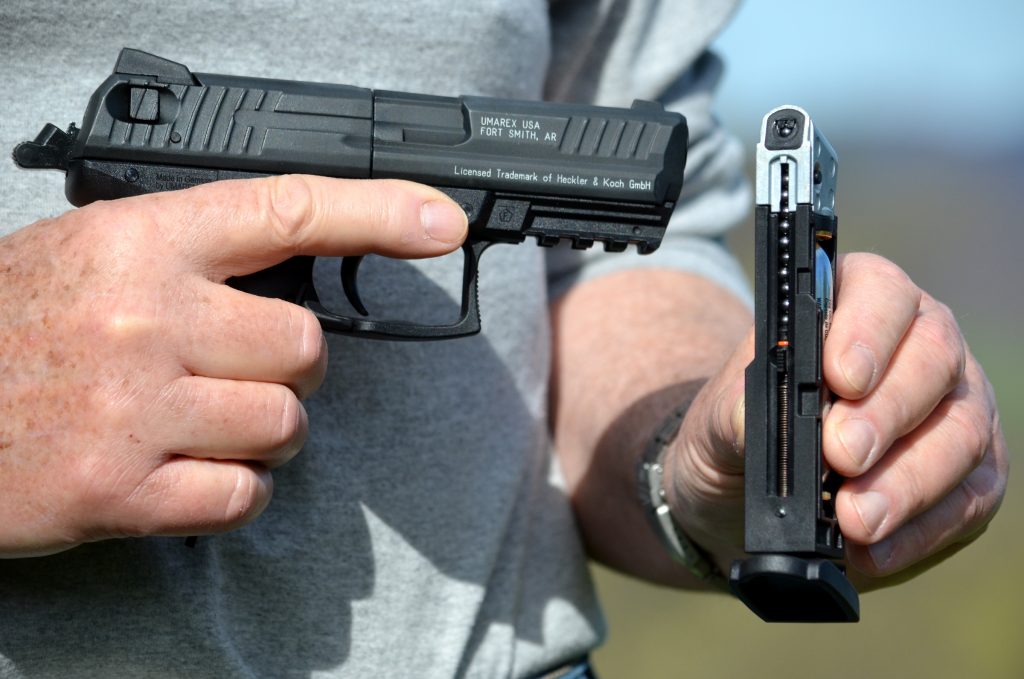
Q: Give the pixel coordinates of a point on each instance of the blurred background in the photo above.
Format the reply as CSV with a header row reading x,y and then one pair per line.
x,y
923,101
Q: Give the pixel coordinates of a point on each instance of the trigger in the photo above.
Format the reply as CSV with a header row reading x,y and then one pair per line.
x,y
349,271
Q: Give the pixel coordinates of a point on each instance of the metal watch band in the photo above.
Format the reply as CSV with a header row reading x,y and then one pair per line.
x,y
650,482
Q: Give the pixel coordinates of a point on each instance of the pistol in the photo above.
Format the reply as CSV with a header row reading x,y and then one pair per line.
x,y
794,572
552,171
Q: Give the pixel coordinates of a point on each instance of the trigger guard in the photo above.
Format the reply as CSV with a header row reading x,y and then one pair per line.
x,y
467,324
349,273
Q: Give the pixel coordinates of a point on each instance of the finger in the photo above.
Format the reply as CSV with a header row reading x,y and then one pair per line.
x,y
928,363
706,466
227,419
186,496
921,468
715,421
960,517
875,305
239,336
238,227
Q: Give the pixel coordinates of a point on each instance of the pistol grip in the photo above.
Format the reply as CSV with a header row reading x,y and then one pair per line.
x,y
291,280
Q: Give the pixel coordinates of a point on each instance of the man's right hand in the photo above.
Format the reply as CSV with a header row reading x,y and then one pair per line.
x,y
139,394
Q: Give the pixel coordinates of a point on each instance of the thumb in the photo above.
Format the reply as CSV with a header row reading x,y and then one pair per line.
x,y
714,427
241,226
706,466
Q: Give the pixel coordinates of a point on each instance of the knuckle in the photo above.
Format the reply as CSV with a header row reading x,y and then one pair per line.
x,y
891,410
110,490
943,337
1000,456
958,359
100,217
895,278
178,399
913,540
384,212
290,207
973,431
124,328
83,492
120,223
953,340
910,493
976,373
394,214
975,506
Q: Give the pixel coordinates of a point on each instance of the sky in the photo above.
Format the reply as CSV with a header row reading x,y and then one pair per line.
x,y
932,72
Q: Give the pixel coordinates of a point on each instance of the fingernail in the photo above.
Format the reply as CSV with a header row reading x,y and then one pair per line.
x,y
858,366
872,507
443,221
859,439
881,553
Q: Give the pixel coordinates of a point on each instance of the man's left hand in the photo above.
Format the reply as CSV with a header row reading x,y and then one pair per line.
x,y
913,426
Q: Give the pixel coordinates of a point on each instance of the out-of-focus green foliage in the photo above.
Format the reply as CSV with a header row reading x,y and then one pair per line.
x,y
955,225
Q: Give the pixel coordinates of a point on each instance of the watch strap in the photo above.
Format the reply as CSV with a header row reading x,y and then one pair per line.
x,y
651,487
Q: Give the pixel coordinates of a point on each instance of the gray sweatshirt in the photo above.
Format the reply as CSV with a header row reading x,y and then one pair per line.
x,y
424,530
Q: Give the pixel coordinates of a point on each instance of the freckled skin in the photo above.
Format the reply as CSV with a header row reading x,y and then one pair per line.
x,y
60,368
141,395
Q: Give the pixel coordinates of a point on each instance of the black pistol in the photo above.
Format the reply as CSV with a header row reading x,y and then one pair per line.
x,y
553,171
794,572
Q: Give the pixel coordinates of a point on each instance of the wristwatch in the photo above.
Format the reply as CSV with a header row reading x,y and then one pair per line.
x,y
651,491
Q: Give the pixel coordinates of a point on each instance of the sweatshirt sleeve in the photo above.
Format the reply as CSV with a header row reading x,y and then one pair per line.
x,y
611,52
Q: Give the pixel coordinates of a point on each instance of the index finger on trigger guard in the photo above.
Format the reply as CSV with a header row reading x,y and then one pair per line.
x,y
239,227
